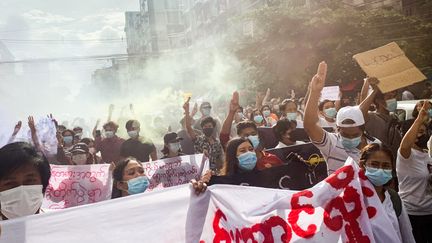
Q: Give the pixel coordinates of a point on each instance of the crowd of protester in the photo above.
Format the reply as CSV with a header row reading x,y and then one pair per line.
x,y
393,154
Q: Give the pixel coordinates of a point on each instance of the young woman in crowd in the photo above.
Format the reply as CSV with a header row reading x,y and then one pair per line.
x,y
283,132
172,147
129,178
413,170
268,116
257,117
289,110
377,161
92,149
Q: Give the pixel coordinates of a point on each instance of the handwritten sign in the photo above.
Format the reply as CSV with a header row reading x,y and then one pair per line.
x,y
175,171
330,93
77,185
390,65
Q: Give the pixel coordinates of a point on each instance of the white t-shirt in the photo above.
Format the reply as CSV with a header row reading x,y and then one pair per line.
x,y
401,224
334,153
415,188
282,145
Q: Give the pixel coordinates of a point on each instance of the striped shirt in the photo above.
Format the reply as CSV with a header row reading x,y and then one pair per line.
x,y
334,153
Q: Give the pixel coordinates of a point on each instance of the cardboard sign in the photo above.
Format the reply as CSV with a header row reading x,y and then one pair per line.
x,y
390,66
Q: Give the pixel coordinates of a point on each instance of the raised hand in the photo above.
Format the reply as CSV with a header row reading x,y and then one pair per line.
x,y
195,109
186,106
234,104
424,114
318,81
31,124
373,82
17,128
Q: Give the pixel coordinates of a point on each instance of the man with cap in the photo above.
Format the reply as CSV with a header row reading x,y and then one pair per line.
x,y
350,138
81,155
172,147
136,146
205,110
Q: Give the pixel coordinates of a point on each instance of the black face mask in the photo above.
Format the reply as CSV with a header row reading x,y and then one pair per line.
x,y
422,141
208,131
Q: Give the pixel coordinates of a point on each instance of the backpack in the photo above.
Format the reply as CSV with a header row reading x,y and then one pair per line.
x,y
396,201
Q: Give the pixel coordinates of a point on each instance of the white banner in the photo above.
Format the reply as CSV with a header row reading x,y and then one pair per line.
x,y
175,171
343,208
330,93
75,185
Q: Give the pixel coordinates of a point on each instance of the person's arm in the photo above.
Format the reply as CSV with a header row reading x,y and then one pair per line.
x,y
95,128
364,90
110,111
411,136
132,110
194,110
265,101
188,124
33,132
367,102
234,105
314,131
258,101
15,132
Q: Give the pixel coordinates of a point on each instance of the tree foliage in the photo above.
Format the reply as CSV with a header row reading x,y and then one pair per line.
x,y
288,43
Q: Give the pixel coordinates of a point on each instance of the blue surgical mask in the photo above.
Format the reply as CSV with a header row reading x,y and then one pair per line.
x,y
68,139
378,177
247,161
266,113
255,140
258,118
137,185
330,112
292,116
391,105
351,143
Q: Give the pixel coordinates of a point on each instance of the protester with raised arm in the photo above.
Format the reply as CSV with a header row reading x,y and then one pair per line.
x,y
207,142
350,138
413,167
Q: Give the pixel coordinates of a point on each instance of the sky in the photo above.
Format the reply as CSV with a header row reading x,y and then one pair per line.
x,y
25,20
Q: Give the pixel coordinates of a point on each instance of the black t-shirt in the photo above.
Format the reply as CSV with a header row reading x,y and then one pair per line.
x,y
136,148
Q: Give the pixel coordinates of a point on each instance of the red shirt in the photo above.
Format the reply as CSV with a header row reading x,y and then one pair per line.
x,y
109,148
267,161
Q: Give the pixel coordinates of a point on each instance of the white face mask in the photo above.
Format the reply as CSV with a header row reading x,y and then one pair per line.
x,y
174,147
21,201
79,159
133,134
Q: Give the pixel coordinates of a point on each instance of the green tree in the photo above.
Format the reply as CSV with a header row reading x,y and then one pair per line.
x,y
288,43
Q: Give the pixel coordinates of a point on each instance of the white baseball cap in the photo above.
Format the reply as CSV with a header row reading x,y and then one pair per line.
x,y
350,113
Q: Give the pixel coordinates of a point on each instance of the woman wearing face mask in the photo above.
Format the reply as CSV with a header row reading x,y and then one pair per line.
x,y
92,150
81,155
258,118
65,144
129,178
172,146
377,161
283,131
24,177
266,113
290,111
328,112
415,184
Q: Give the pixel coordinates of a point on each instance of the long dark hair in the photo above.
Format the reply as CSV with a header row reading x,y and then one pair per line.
x,y
118,175
230,166
372,148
